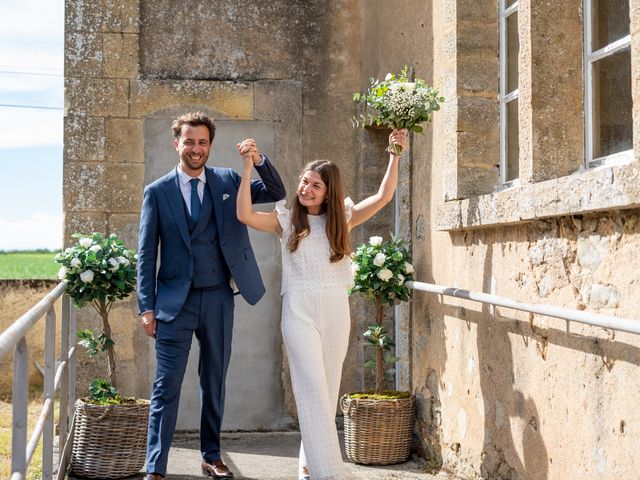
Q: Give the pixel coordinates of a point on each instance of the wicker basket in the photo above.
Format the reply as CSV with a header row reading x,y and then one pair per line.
x,y
109,441
378,432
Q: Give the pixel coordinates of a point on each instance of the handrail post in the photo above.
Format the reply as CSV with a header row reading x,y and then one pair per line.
x,y
73,322
49,392
20,400
63,423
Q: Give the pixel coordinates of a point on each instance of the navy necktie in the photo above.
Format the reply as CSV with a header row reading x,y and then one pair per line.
x,y
195,200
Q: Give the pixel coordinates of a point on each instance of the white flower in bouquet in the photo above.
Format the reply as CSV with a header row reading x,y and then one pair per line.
x,y
379,259
95,248
62,273
398,103
76,263
375,241
400,278
85,242
115,265
385,275
87,276
408,268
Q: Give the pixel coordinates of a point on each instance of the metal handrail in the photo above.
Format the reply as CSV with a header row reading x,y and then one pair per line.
x,y
14,339
581,316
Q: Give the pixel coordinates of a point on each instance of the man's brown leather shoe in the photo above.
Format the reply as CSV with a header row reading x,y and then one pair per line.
x,y
216,469
153,476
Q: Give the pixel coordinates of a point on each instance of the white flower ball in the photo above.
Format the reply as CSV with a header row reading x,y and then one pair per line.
x,y
85,242
355,268
385,275
95,248
400,278
87,276
76,263
375,241
379,259
123,261
408,268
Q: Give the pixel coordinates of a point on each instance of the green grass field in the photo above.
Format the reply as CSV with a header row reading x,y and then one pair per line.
x,y
28,265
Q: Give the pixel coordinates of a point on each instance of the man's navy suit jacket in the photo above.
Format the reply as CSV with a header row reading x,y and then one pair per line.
x,y
164,288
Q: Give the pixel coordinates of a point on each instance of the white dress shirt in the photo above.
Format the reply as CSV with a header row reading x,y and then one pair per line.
x,y
185,186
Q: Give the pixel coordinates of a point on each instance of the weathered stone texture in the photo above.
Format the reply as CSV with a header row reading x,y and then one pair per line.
x,y
102,16
123,141
98,97
224,40
121,55
84,138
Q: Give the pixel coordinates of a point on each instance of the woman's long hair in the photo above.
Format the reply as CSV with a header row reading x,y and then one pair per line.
x,y
336,224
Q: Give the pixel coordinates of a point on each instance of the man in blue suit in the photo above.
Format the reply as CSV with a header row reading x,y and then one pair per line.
x,y
189,218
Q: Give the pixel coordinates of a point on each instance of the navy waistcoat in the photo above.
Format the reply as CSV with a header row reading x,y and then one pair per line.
x,y
209,266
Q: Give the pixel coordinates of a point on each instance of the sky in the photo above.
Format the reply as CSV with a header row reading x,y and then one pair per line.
x,y
31,75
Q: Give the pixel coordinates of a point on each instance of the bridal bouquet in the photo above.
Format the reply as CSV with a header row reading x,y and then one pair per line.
x,y
398,103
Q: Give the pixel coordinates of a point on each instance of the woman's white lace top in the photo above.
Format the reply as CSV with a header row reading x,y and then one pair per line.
x,y
309,265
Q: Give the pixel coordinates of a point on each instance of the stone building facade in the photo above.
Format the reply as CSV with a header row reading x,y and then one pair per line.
x,y
525,185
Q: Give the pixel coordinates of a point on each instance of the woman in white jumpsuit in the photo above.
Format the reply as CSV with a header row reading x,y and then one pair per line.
x,y
316,274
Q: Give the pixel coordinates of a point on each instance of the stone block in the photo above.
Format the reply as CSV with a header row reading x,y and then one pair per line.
x,y
85,188
125,184
100,97
84,138
121,55
230,100
278,100
635,86
124,140
477,39
83,54
478,148
243,40
476,10
83,222
83,16
126,226
102,16
478,114
478,75
121,16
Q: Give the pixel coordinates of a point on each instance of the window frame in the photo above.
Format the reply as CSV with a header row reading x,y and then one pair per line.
x,y
505,97
589,58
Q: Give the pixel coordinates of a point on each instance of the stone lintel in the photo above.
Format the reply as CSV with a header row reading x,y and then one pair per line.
x,y
231,100
600,189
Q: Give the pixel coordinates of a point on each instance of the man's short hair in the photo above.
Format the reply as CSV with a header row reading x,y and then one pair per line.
x,y
194,119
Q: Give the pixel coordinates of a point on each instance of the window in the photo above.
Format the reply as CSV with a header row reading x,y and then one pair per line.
x,y
509,49
608,101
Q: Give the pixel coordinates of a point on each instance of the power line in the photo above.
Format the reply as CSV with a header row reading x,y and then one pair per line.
x,y
32,73
36,107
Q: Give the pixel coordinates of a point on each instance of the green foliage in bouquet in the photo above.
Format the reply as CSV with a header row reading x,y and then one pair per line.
x,y
99,270
380,270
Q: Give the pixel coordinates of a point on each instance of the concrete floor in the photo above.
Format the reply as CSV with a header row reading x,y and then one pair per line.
x,y
273,456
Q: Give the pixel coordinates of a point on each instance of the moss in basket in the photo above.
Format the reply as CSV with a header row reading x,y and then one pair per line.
x,y
384,395
380,270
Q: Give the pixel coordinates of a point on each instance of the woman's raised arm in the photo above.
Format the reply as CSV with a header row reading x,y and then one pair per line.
x,y
263,221
368,207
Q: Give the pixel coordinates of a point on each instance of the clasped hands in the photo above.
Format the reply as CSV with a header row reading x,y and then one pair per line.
x,y
249,152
